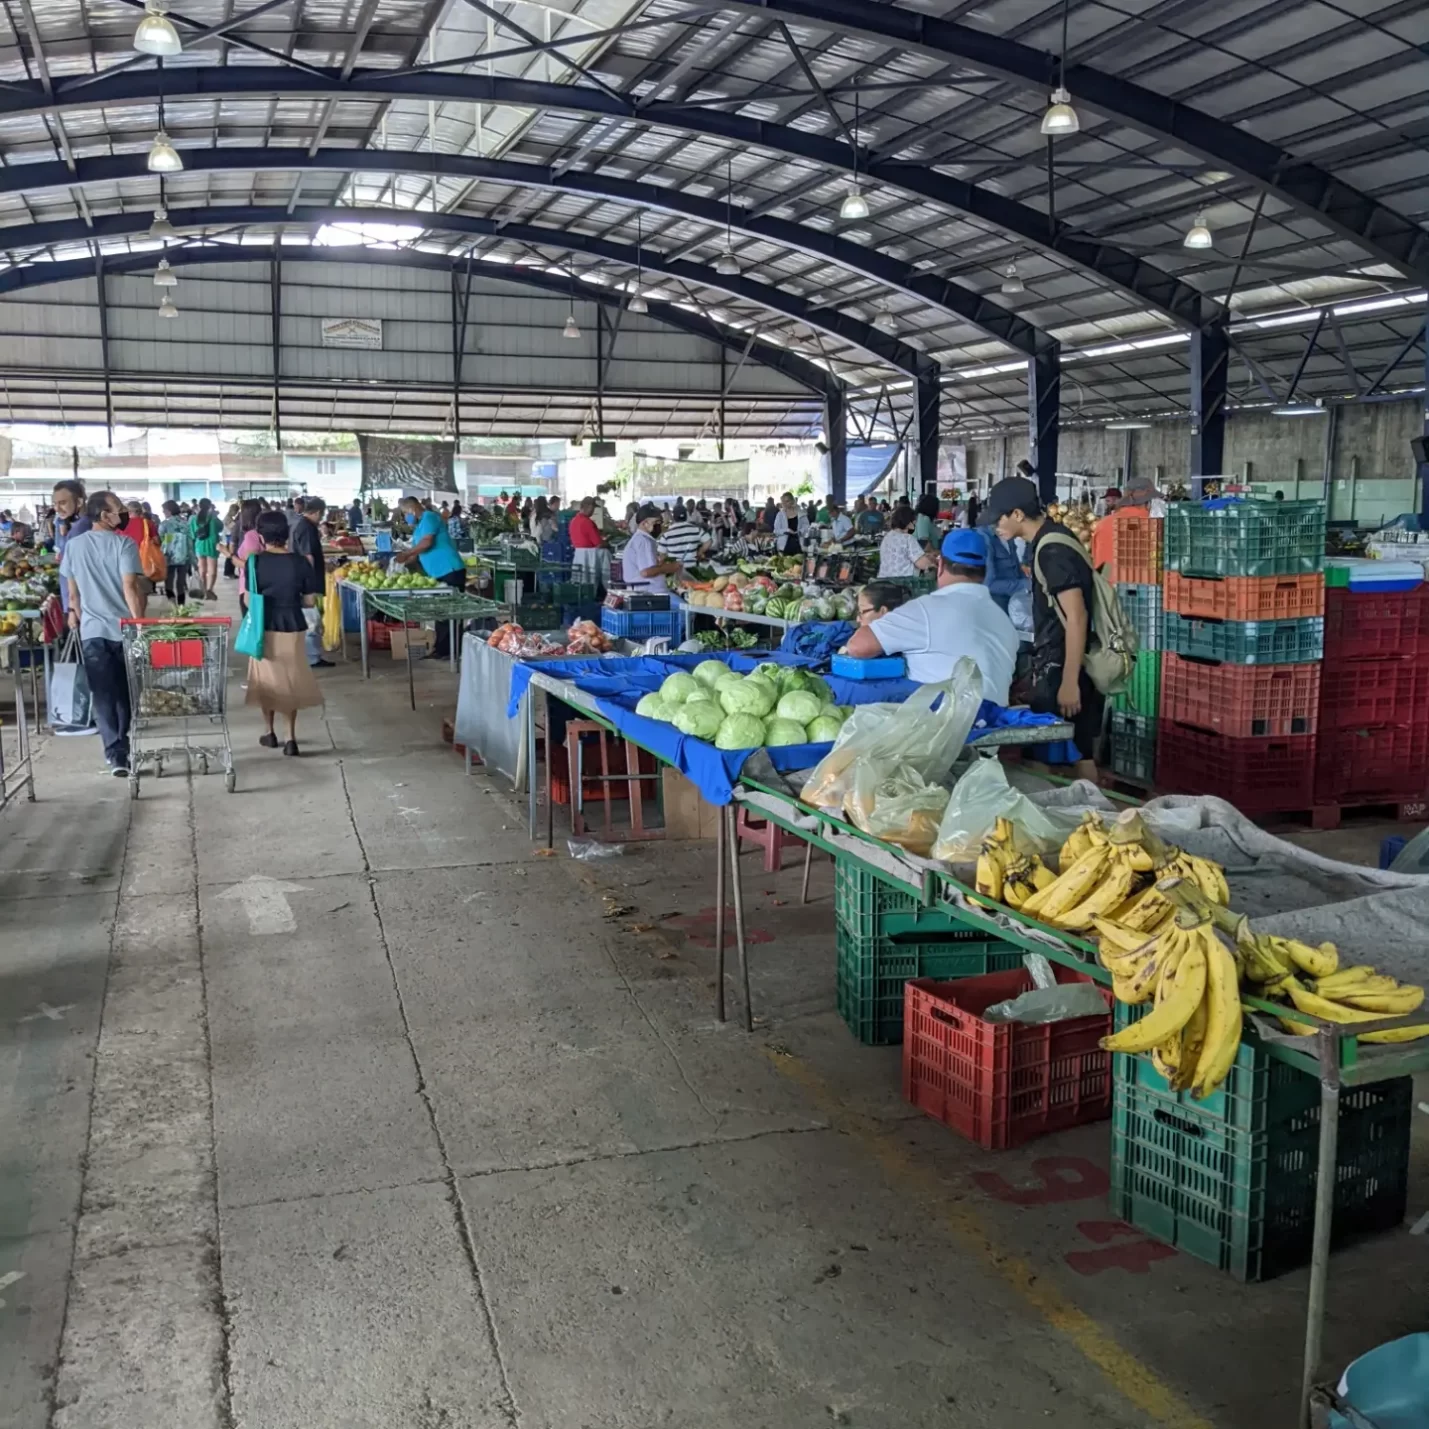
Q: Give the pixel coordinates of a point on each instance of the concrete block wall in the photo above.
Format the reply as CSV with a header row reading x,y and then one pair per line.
x,y
1372,474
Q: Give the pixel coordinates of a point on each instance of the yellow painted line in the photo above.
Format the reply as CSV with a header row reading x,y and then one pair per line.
x,y
1133,1380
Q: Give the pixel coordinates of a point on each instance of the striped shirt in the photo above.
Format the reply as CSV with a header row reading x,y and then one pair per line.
x,y
682,542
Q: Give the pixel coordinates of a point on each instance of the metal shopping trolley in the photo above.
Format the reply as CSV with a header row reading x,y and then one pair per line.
x,y
178,693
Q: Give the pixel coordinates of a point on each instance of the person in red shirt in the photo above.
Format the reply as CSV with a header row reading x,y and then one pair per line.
x,y
590,558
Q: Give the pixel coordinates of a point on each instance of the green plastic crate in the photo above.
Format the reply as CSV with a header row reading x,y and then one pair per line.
x,y
872,973
1133,746
871,907
1245,538
916,585
1246,642
1142,604
538,617
1231,1180
1143,695
569,592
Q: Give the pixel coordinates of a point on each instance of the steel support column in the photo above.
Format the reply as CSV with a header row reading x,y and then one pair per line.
x,y
275,318
104,344
1044,417
1210,373
928,410
458,342
836,435
1424,429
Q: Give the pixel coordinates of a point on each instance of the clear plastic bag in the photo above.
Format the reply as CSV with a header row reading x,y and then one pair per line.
x,y
913,735
981,797
896,805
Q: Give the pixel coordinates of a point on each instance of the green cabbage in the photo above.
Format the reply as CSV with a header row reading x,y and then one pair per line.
x,y
710,672
701,718
740,731
730,677
653,707
770,670
817,687
784,731
753,696
825,729
799,706
702,694
678,688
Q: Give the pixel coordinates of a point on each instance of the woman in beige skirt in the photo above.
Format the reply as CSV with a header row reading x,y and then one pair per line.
x,y
282,681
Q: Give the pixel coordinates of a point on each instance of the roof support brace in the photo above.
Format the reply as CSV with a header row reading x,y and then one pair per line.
x,y
1210,377
1044,418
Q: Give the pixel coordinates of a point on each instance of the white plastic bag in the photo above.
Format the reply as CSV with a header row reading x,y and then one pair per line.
x,y
914,735
981,797
896,805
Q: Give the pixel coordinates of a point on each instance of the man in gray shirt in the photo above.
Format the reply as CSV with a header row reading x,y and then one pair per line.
x,y
106,585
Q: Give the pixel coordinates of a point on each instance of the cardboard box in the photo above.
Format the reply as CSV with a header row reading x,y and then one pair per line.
x,y
687,815
419,639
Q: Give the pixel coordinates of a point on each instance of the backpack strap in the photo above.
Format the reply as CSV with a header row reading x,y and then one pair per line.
x,y
1057,538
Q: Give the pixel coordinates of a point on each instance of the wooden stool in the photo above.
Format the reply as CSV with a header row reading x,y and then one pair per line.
x,y
632,778
768,835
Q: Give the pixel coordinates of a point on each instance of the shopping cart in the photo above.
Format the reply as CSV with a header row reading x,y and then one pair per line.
x,y
178,694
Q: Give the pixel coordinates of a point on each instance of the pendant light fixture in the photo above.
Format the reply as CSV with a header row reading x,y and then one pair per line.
x,y
572,328
167,308
163,157
727,264
885,322
156,34
1198,235
855,206
161,228
637,303
164,276
1012,280
1060,118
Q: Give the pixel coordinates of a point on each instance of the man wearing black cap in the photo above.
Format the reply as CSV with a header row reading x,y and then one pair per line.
x,y
1061,614
959,618
641,561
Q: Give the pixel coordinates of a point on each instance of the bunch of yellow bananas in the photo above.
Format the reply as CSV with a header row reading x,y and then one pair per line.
x,y
1193,1030
1004,873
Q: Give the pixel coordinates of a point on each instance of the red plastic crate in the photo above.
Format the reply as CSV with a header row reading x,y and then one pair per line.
x,y
1361,625
1259,776
170,654
1370,692
1243,700
1245,597
1380,763
1001,1083
379,632
1135,549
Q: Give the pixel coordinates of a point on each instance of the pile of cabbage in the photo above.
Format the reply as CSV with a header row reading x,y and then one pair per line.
x,y
770,706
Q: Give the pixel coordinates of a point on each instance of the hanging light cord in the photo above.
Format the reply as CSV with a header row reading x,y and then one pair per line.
x,y
1062,59
729,203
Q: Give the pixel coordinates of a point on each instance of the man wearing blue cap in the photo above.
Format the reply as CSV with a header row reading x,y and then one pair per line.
x,y
960,618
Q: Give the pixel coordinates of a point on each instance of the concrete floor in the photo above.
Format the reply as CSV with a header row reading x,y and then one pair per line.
x,y
332,1104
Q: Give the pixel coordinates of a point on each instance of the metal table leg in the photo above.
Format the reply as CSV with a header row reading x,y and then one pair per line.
x,y
451,643
550,793
808,864
1324,1218
362,631
531,758
407,645
719,922
740,948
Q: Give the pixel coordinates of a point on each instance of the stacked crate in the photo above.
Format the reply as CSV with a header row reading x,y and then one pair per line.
x,y
1243,636
1135,571
1372,745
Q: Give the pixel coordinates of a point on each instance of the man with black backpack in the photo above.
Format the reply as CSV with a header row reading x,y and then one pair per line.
x,y
1083,647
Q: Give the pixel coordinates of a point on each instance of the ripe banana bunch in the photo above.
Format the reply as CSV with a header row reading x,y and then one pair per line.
x,y
1147,910
1089,887
1357,994
1005,874
1091,831
1193,1029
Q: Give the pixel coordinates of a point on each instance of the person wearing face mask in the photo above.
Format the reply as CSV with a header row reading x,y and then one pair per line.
x,y
642,562
105,582
433,553
71,520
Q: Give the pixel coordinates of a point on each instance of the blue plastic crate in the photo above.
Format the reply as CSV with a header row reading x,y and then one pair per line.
x,y
889,667
639,624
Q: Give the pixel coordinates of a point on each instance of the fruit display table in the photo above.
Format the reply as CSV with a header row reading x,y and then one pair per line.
x,y
419,605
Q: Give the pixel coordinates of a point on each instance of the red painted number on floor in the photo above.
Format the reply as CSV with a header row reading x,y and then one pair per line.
x,y
699,928
1064,1178
1133,1253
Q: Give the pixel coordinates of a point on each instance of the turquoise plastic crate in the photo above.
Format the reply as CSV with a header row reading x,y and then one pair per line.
x,y
870,907
872,972
1142,604
1231,1180
1133,746
1245,538
1143,695
1246,642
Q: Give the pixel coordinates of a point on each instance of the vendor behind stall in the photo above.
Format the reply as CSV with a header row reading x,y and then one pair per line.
x,y
959,618
590,556
641,560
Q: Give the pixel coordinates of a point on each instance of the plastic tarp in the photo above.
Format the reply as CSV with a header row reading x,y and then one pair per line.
x,y
617,685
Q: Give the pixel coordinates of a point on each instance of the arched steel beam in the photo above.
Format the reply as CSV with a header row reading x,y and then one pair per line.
x,y
800,369
1149,285
1392,237
958,302
882,346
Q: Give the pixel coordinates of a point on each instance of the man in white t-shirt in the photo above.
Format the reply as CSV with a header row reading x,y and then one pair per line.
x,y
642,561
960,618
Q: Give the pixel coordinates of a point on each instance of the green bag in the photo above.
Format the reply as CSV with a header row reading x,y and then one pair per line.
x,y
250,633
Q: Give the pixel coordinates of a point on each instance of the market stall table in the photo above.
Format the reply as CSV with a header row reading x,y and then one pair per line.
x,y
367,598
690,611
440,604
18,774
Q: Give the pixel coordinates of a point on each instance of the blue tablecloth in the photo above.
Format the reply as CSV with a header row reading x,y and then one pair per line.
x,y
617,686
